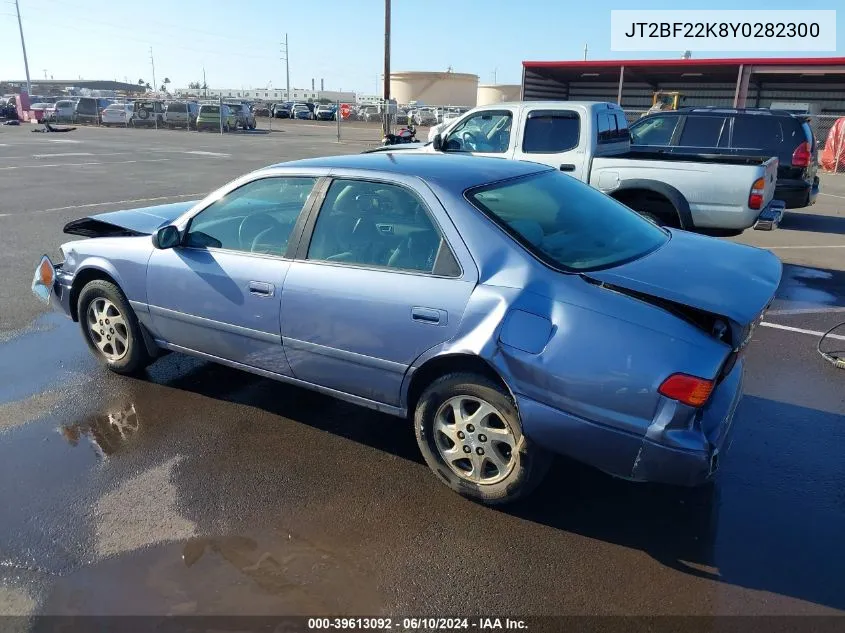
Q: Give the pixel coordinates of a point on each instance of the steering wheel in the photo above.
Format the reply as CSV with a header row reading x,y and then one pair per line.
x,y
469,140
252,225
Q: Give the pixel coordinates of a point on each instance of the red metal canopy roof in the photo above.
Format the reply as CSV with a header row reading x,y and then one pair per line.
x,y
682,63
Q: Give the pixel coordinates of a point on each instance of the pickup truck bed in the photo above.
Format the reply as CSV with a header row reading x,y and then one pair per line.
x,y
590,141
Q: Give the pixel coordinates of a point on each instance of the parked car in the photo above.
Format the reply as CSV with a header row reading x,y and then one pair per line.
x,y
529,313
243,116
88,109
281,111
370,113
181,114
326,112
118,114
591,142
209,118
401,117
40,109
301,111
425,116
147,112
733,132
63,110
261,110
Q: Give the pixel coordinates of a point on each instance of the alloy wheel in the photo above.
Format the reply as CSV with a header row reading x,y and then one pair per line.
x,y
474,440
108,329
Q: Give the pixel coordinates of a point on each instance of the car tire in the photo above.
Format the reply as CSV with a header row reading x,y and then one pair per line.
x,y
651,217
110,328
503,464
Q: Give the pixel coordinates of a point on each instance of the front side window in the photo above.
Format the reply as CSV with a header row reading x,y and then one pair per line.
x,y
488,132
379,225
566,223
256,218
655,130
551,132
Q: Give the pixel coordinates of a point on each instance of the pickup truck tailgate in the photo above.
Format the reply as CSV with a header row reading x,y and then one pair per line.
x,y
771,176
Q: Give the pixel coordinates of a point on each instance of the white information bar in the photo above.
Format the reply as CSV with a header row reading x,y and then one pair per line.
x,y
724,31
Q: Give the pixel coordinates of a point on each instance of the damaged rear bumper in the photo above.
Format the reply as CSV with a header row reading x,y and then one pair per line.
x,y
683,457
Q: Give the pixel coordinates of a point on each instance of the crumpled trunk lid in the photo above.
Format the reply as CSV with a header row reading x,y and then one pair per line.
x,y
726,279
128,223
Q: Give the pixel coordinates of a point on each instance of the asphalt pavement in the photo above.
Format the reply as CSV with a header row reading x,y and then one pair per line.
x,y
198,489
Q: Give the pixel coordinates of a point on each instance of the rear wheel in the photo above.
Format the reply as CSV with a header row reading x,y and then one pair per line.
x,y
111,328
469,432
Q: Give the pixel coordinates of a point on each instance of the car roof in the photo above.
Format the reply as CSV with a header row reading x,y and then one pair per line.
x,y
450,170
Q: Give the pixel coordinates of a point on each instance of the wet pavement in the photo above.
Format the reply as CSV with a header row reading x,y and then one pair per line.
x,y
198,489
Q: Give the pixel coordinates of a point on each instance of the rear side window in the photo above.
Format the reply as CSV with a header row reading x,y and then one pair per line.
x,y
548,132
757,132
702,131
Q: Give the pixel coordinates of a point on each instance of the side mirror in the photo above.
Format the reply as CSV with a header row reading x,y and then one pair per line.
x,y
166,237
437,143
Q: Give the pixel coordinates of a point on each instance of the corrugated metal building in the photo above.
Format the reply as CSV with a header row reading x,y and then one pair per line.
x,y
703,82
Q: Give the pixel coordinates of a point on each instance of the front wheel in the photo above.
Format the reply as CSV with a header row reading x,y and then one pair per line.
x,y
111,328
469,432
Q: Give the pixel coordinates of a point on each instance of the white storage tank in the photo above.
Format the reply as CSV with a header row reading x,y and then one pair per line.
x,y
496,93
434,88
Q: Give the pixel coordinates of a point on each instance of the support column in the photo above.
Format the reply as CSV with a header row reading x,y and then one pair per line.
x,y
621,81
742,79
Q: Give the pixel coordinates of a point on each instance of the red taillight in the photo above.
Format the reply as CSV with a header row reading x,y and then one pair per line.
x,y
802,155
689,390
758,190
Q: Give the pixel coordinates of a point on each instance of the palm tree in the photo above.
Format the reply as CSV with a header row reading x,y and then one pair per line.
x,y
141,82
164,85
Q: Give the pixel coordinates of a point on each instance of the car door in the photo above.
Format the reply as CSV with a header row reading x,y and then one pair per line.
x,y
553,137
485,133
219,292
380,278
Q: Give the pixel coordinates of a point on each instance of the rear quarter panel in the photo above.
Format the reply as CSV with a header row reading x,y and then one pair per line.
x,y
717,193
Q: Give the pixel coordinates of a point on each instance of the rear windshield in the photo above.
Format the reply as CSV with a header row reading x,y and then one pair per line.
x,y
210,109
567,224
780,135
176,107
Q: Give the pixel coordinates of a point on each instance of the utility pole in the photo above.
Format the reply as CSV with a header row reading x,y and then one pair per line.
x,y
287,69
23,46
585,51
153,63
204,84
386,66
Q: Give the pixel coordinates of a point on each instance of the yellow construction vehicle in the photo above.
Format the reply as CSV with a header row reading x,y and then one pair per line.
x,y
662,101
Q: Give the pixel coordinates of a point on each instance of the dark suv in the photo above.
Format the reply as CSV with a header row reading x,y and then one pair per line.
x,y
739,132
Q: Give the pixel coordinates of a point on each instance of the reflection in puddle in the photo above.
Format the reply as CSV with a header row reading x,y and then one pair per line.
x,y
106,433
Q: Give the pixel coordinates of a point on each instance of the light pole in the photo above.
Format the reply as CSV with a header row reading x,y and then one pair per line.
x,y
287,69
23,46
386,67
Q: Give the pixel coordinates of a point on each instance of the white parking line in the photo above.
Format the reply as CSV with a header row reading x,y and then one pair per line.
x,y
203,153
771,248
65,154
115,202
801,330
794,311
831,195
62,140
112,162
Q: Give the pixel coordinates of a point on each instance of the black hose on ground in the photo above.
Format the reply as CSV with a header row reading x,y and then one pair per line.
x,y
832,357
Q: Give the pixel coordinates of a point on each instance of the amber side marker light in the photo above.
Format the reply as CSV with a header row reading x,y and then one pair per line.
x,y
690,390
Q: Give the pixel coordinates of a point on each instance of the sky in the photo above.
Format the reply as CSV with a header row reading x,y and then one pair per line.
x,y
239,43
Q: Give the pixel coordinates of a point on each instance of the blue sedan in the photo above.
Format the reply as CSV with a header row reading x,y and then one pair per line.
x,y
507,310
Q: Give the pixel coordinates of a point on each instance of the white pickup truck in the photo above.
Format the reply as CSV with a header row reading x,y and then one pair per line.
x,y
590,141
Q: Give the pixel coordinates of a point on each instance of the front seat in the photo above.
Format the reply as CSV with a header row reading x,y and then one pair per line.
x,y
417,251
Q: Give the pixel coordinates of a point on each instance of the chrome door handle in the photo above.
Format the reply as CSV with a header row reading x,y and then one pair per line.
x,y
261,288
